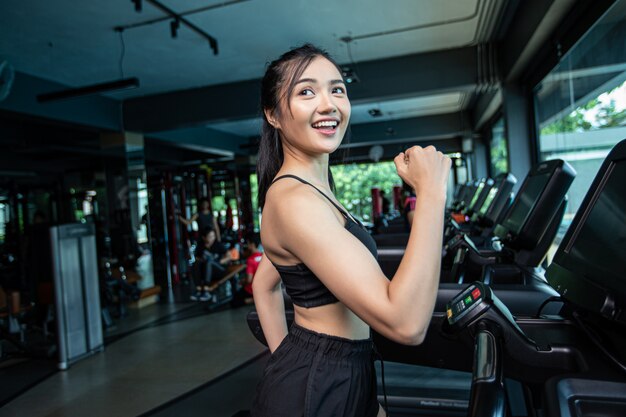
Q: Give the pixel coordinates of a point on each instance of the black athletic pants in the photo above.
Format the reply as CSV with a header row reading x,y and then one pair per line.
x,y
316,375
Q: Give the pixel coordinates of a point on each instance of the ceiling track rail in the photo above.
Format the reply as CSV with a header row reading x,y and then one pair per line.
x,y
179,18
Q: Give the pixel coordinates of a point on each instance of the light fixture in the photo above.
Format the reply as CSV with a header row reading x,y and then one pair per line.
x,y
137,5
123,84
174,25
349,75
375,112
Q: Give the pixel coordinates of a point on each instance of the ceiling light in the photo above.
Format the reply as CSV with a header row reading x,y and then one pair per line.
x,y
106,87
137,5
375,112
349,75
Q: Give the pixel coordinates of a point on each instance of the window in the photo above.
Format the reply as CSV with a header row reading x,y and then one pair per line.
x,y
254,191
353,184
499,153
581,104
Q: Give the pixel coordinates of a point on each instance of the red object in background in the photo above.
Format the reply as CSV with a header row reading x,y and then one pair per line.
x,y
397,197
377,204
459,217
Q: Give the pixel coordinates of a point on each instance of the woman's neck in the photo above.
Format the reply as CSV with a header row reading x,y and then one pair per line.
x,y
312,169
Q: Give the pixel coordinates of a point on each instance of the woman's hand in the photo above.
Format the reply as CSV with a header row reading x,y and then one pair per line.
x,y
426,170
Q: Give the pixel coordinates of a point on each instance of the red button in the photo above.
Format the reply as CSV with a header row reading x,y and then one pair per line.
x,y
476,293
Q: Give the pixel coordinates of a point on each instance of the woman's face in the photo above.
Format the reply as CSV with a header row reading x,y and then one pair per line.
x,y
319,110
210,238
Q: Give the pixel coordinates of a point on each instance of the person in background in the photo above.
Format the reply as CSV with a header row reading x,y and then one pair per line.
x,y
244,296
408,206
205,219
385,203
211,256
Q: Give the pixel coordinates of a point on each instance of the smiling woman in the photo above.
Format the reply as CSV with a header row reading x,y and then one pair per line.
x,y
326,259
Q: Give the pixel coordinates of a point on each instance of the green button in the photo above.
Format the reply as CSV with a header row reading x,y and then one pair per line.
x,y
468,300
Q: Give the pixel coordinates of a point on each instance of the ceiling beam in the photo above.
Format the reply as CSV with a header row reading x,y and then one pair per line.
x,y
203,139
429,73
93,111
390,150
425,128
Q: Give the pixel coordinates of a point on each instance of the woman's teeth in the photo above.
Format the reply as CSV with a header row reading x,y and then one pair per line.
x,y
325,124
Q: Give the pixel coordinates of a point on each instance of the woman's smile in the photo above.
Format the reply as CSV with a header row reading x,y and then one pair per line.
x,y
327,127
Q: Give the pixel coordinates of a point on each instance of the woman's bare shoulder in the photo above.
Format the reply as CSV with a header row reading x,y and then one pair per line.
x,y
289,200
291,206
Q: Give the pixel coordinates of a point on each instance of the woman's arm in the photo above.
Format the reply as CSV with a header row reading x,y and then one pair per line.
x,y
217,230
188,222
268,298
399,309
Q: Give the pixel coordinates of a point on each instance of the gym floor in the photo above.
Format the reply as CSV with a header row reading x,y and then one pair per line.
x,y
168,353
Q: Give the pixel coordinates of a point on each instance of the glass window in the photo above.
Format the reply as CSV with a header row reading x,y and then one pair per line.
x,y
581,104
499,149
353,184
254,191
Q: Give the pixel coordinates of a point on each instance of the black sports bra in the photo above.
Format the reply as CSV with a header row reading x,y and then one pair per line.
x,y
304,288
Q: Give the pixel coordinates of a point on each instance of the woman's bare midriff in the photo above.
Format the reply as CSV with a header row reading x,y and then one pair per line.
x,y
332,319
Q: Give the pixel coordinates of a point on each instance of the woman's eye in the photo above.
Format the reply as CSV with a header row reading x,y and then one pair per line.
x,y
307,92
339,90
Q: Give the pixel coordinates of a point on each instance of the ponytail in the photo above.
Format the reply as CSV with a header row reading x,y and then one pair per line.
x,y
269,161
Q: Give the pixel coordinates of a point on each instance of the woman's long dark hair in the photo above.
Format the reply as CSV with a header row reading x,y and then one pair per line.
x,y
277,85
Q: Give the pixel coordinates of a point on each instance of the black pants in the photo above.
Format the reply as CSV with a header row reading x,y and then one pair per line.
x,y
209,270
316,375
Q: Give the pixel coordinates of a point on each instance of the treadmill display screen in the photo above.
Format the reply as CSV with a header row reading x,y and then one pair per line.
x,y
528,197
599,244
488,200
476,194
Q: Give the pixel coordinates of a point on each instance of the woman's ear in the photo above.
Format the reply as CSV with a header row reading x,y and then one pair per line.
x,y
269,115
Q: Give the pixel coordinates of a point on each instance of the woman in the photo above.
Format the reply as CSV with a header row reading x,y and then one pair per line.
x,y
324,365
408,207
205,219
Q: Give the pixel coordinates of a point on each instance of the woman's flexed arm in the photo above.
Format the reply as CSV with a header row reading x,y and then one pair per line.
x,y
268,298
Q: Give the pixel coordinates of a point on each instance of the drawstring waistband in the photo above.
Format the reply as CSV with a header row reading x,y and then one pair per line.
x,y
382,374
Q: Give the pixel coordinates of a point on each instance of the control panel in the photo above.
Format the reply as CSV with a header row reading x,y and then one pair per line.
x,y
468,304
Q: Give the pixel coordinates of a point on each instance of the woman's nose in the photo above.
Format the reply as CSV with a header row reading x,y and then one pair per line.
x,y
327,104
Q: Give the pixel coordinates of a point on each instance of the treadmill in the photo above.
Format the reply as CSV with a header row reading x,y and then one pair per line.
x,y
570,364
486,215
521,239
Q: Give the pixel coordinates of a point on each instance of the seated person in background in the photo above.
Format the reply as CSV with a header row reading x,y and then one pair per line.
x,y
244,296
211,255
408,207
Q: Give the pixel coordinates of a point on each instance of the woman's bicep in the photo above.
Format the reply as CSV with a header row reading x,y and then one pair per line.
x,y
345,266
266,276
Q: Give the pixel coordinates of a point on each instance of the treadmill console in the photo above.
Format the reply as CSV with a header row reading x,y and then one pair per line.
x,y
466,306
478,302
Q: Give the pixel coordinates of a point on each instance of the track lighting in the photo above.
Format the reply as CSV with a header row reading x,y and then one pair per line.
x,y
177,20
174,25
375,112
349,75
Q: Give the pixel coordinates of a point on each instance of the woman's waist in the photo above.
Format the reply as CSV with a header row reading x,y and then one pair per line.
x,y
331,346
334,320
